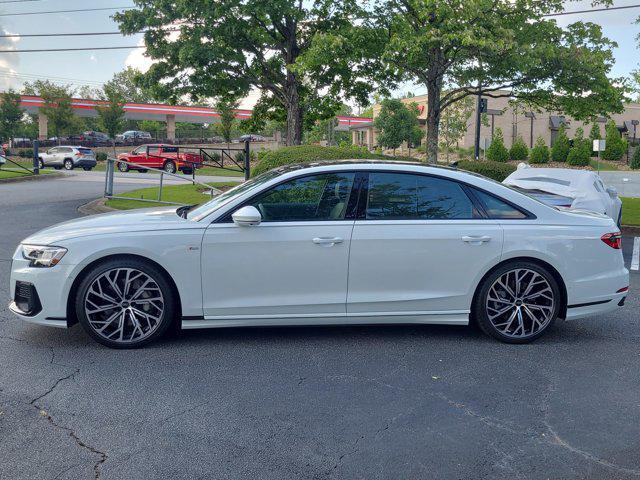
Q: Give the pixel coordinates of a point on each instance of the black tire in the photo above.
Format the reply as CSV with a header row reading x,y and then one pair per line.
x,y
87,169
68,164
57,168
479,307
40,164
169,166
123,167
168,315
143,170
187,171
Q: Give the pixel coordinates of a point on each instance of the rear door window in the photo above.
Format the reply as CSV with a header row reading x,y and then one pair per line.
x,y
401,196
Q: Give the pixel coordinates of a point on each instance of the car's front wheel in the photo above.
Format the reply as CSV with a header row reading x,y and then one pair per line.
x,y
517,302
169,166
125,303
123,167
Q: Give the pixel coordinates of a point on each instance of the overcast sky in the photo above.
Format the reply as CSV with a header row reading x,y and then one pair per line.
x,y
94,67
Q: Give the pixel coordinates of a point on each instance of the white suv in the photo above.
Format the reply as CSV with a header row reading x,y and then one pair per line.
x,y
68,158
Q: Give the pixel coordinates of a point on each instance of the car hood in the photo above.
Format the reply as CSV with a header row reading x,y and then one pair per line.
x,y
148,219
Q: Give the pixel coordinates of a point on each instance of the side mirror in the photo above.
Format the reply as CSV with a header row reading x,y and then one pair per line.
x,y
247,216
613,193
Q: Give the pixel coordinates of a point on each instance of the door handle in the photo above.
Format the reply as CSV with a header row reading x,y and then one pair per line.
x,y
476,240
327,240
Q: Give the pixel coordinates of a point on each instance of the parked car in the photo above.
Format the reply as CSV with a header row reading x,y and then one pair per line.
x,y
567,188
326,243
136,135
170,158
253,138
68,157
91,137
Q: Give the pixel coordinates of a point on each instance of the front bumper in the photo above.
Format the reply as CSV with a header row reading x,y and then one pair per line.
x,y
50,285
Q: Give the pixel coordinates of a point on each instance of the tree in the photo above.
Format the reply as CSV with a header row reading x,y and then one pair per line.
x,y
594,133
519,150
615,146
454,123
539,152
127,83
57,105
458,48
226,109
111,114
497,152
635,159
10,114
397,123
561,146
227,48
580,153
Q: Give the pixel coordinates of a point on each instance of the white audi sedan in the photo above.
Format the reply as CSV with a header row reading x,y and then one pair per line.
x,y
325,244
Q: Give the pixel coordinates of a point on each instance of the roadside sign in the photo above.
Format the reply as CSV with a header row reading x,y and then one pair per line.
x,y
599,145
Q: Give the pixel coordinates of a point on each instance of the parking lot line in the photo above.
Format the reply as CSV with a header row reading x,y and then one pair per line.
x,y
635,258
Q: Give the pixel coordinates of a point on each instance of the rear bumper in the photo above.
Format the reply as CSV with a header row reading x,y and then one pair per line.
x,y
598,307
85,162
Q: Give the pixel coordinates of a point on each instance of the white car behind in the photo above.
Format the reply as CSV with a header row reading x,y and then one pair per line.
x,y
564,187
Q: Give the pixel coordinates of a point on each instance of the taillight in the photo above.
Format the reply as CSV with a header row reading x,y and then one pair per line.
x,y
614,240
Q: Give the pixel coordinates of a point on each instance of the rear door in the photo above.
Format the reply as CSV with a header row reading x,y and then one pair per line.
x,y
418,247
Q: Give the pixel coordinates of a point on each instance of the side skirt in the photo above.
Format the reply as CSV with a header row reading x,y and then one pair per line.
x,y
390,318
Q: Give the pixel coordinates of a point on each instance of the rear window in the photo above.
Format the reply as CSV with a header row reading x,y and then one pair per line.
x,y
85,151
170,149
546,180
496,208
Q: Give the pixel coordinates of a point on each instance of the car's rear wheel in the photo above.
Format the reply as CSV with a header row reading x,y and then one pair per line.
x,y
187,171
517,302
125,303
87,169
143,170
123,167
169,166
68,164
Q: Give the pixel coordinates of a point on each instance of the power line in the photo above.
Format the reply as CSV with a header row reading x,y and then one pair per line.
x,y
576,12
19,35
19,1
69,49
66,11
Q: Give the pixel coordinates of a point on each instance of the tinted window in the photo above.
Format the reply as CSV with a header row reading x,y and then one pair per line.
x,y
497,208
397,196
317,197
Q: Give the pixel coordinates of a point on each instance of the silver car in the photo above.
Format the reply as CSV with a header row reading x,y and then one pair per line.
x,y
68,158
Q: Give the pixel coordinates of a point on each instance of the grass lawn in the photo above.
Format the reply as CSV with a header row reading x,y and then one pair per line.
x,y
187,194
14,173
630,211
220,172
604,166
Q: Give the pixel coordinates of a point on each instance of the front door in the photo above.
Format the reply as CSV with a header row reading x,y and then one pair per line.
x,y
293,265
419,249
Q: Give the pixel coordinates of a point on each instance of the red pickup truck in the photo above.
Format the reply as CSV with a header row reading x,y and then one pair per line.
x,y
170,158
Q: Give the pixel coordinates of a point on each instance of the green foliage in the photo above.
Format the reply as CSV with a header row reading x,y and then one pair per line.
x,y
539,152
10,114
497,152
578,156
227,117
452,47
454,122
101,156
57,105
635,159
269,159
498,171
25,153
595,133
561,146
279,47
397,123
127,84
519,150
111,114
615,146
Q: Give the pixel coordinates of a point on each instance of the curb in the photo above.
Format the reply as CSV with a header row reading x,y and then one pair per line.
x,y
95,207
630,230
31,178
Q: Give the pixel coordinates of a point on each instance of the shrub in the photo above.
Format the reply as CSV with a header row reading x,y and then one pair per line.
x,y
25,153
498,171
497,152
561,146
635,159
615,145
539,152
101,156
579,156
519,150
269,159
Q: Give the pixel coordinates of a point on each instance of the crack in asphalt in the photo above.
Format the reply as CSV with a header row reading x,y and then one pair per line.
x,y
70,431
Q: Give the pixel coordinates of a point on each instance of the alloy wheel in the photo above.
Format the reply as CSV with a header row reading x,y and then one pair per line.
x,y
170,167
520,303
124,305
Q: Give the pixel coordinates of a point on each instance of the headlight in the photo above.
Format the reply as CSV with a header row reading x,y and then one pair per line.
x,y
43,256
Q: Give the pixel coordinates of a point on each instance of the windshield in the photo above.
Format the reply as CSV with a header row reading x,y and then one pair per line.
x,y
207,208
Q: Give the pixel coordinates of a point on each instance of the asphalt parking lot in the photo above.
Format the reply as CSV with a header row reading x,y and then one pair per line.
x,y
345,402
